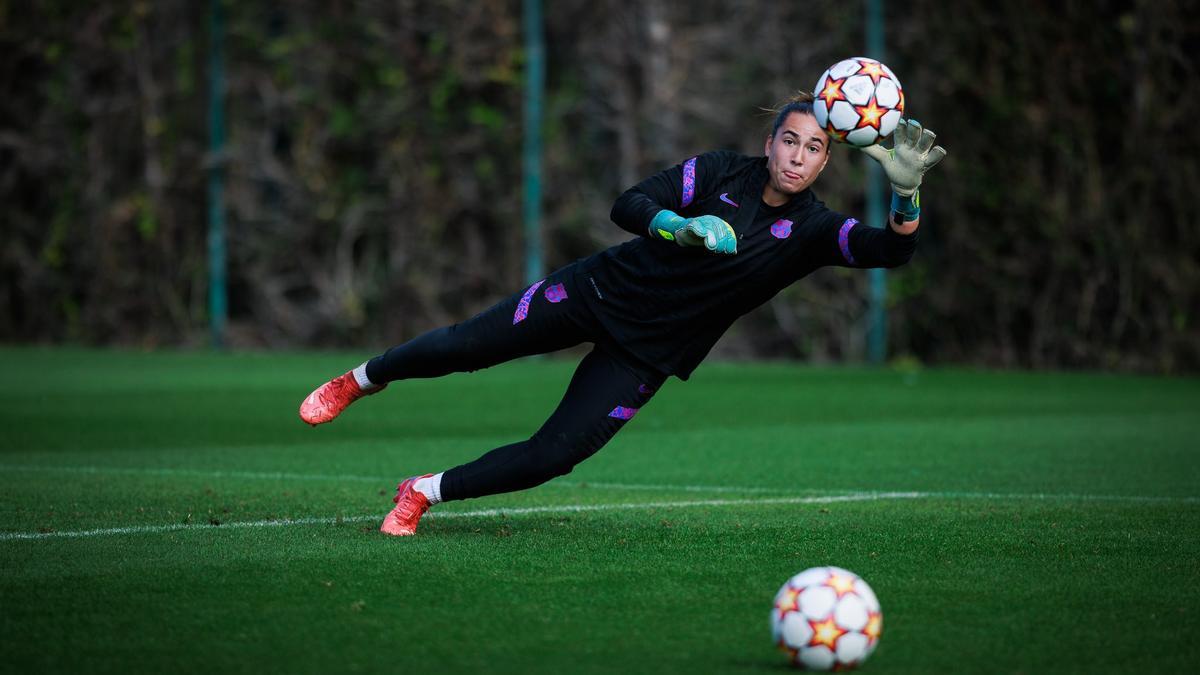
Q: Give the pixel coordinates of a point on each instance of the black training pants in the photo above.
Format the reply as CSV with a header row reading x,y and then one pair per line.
x,y
605,392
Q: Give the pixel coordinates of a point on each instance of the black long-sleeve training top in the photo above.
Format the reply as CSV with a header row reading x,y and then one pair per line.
x,y
667,305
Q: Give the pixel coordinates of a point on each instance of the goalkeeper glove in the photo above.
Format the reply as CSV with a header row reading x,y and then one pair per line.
x,y
912,154
710,231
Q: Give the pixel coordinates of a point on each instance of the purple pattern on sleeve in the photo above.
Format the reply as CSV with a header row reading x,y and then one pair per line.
x,y
844,240
689,182
523,305
643,389
622,413
556,293
782,229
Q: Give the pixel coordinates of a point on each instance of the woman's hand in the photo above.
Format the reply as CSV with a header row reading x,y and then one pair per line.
x,y
912,154
710,232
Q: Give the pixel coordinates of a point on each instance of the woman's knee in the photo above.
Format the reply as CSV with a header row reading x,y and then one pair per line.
x,y
454,348
558,454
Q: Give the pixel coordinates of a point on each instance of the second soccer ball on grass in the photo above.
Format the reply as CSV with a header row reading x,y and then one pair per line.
x,y
826,618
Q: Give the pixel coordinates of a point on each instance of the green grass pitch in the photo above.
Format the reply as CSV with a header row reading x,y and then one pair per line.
x,y
168,512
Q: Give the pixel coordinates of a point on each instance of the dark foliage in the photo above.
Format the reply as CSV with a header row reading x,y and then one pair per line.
x,y
374,167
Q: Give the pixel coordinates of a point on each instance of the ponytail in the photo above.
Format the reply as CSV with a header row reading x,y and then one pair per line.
x,y
801,102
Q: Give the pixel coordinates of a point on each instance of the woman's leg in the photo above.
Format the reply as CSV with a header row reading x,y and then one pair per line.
x,y
548,316
603,395
543,318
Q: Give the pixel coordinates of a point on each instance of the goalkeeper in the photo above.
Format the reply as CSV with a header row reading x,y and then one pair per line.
x,y
718,235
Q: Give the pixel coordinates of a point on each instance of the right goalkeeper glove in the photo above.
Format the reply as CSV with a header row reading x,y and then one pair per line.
x,y
912,154
710,231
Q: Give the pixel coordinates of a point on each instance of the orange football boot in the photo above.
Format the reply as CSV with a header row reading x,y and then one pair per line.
x,y
410,506
330,399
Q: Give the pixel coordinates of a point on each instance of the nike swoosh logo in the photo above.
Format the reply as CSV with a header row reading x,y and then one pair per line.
x,y
725,198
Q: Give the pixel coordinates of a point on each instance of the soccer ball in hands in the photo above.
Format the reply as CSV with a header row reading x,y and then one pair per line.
x,y
858,101
826,618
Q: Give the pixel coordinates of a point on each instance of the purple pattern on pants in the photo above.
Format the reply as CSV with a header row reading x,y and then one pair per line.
x,y
523,305
782,229
689,182
622,413
844,240
556,293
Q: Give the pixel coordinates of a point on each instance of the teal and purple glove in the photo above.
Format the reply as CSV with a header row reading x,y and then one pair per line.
x,y
709,231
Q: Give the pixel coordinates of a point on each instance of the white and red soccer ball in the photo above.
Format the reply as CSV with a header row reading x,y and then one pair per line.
x,y
826,618
858,101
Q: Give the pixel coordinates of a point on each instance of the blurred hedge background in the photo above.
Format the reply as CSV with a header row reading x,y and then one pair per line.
x,y
374,167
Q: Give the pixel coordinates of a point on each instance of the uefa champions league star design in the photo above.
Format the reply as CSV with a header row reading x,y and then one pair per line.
x,y
859,101
826,618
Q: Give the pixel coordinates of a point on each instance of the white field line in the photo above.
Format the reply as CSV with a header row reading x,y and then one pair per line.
x,y
663,487
478,513
603,485
1064,496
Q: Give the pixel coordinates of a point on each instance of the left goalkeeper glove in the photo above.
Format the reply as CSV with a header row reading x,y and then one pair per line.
x,y
709,231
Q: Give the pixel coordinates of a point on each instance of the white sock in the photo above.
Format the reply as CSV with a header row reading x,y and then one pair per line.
x,y
360,376
430,487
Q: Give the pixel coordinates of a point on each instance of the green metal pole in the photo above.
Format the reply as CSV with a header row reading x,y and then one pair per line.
x,y
876,211
217,299
535,76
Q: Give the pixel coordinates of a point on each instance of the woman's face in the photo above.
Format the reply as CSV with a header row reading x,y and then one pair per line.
x,y
796,155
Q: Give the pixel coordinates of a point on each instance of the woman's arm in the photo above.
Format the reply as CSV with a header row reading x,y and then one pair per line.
x,y
846,242
912,154
675,190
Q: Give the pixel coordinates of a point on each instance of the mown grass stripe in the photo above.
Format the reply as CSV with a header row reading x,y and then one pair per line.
x,y
479,513
197,473
604,485
285,475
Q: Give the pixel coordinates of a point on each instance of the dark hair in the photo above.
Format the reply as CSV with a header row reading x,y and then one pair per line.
x,y
801,102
